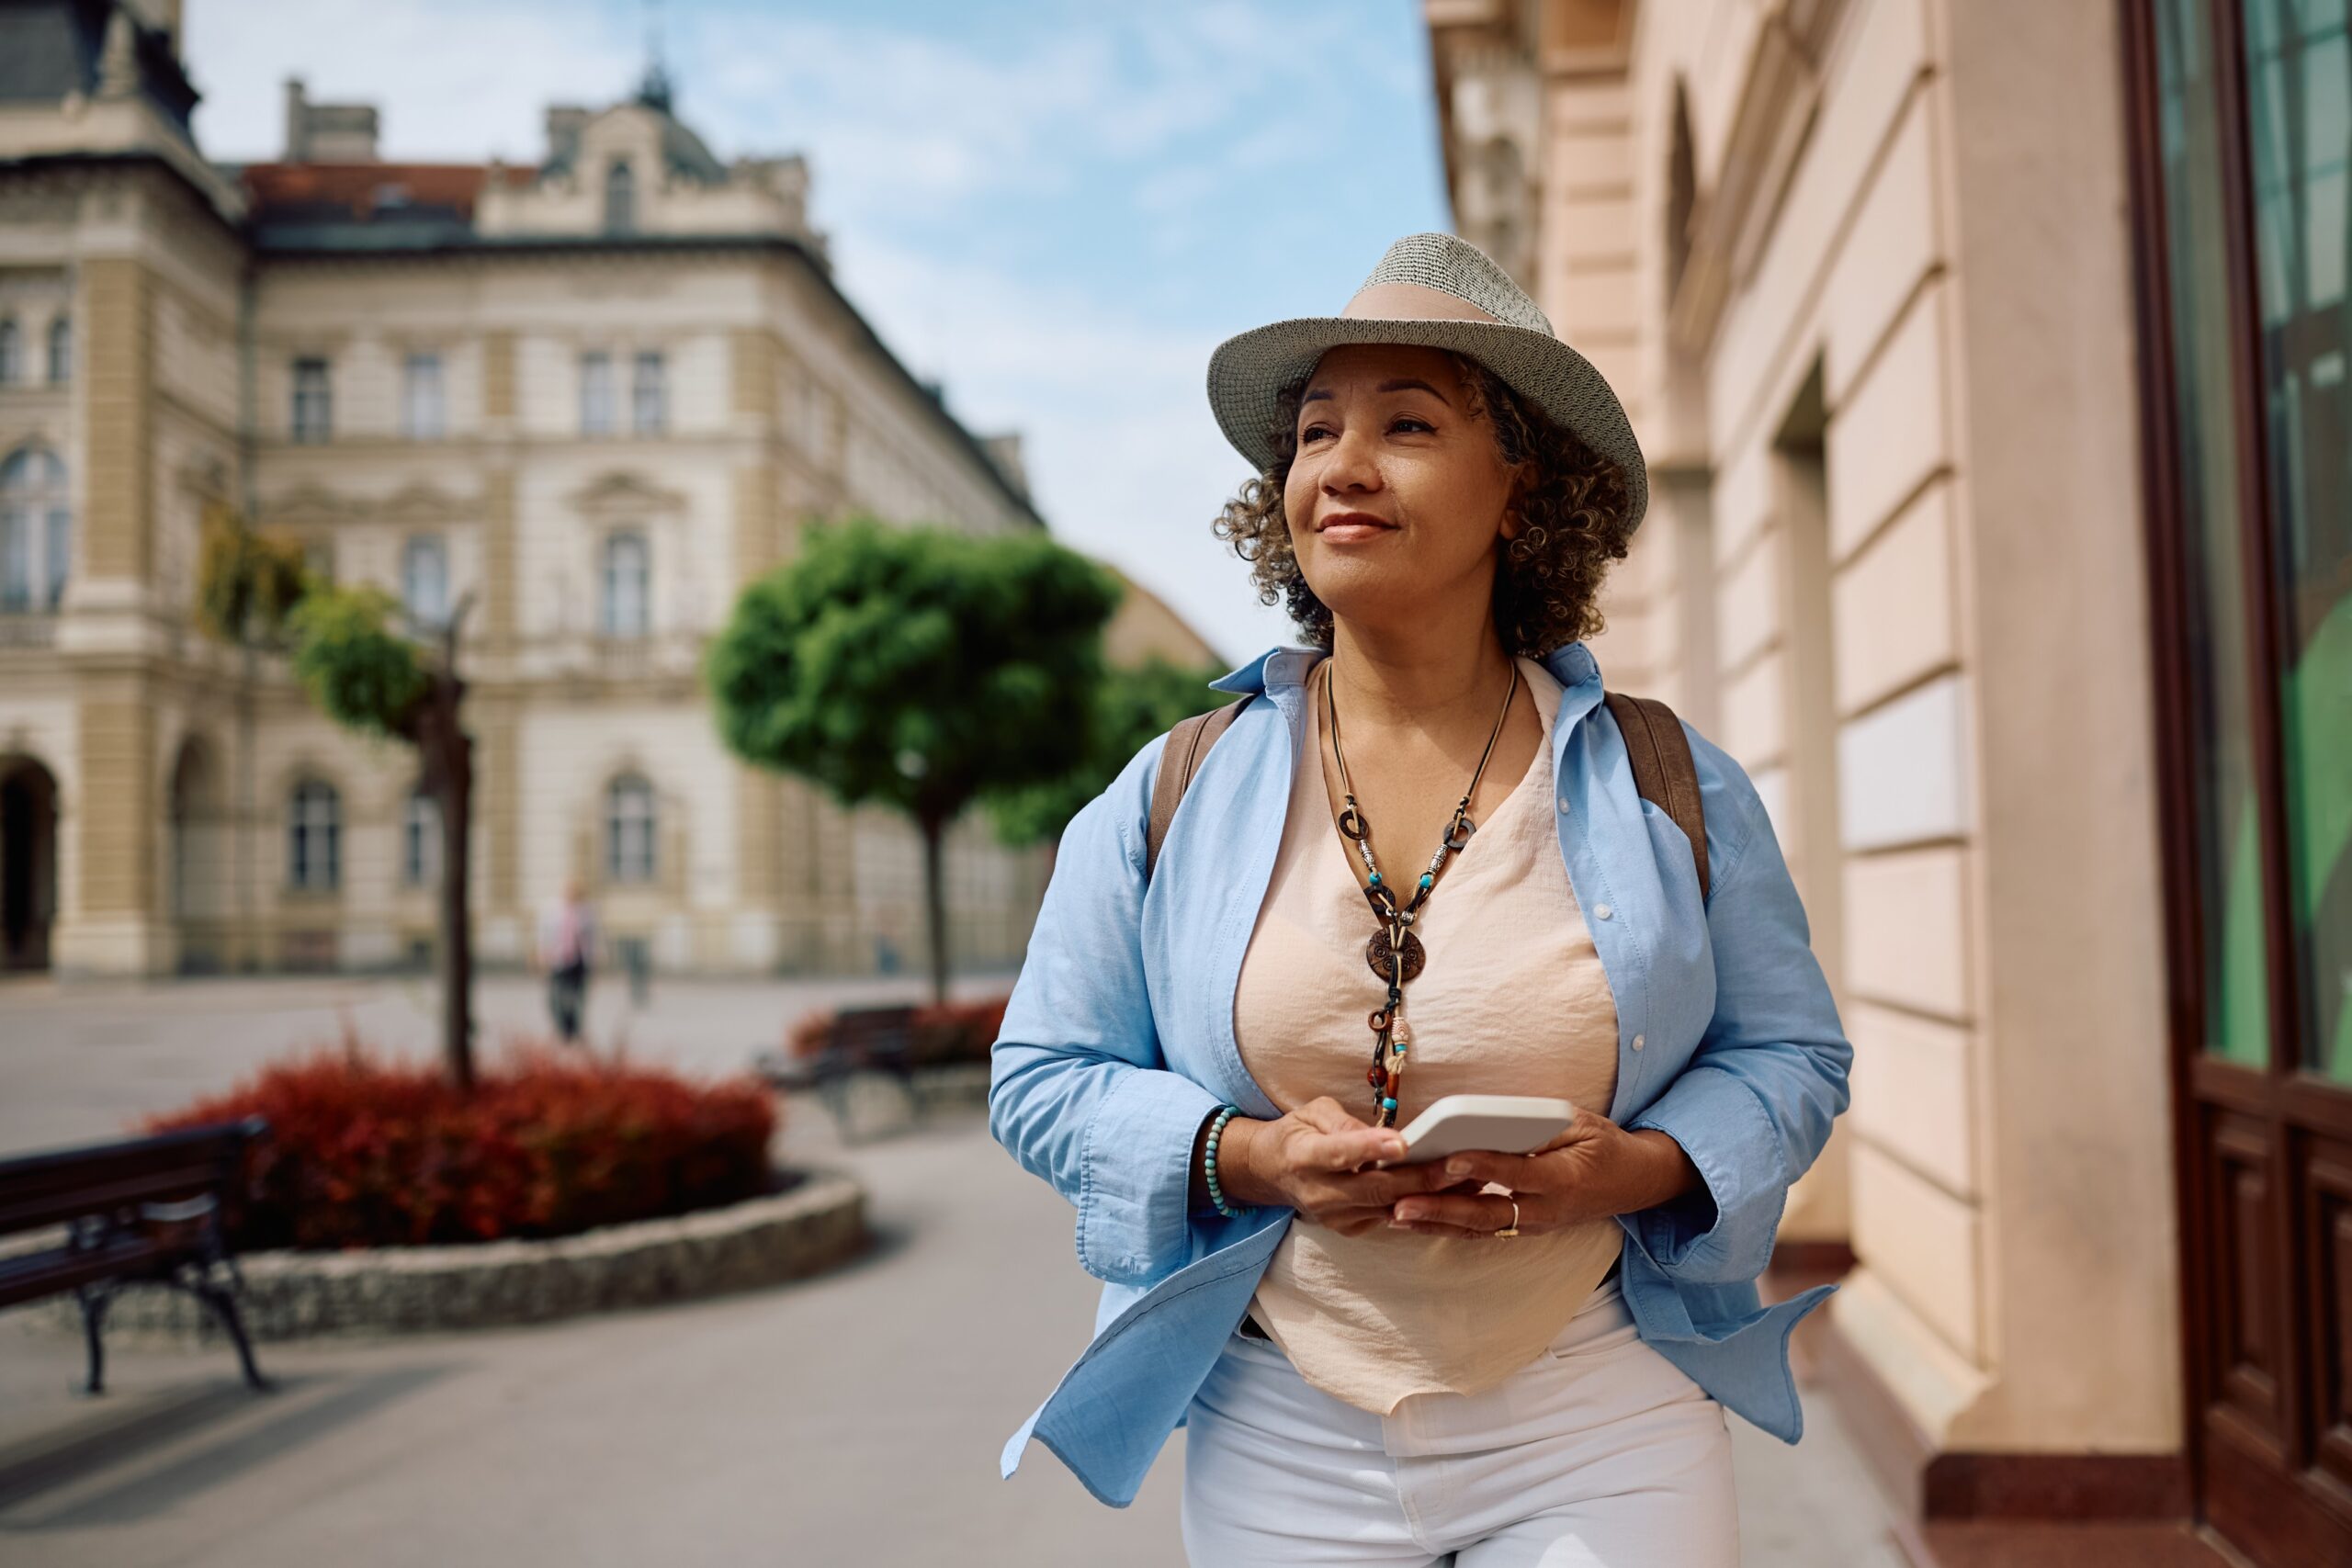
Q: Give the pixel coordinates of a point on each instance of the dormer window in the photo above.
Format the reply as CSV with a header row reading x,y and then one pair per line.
x,y
620,197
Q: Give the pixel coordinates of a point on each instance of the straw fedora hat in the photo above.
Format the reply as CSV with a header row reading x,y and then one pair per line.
x,y
1439,291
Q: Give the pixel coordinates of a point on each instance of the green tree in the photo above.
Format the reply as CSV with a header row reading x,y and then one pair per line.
x,y
917,667
1133,705
349,653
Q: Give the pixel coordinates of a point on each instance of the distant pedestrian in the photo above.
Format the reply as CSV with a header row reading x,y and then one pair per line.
x,y
567,945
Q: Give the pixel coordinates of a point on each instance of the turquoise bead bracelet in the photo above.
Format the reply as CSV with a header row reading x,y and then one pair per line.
x,y
1208,1161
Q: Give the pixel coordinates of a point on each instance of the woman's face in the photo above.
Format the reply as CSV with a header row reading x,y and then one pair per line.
x,y
1398,493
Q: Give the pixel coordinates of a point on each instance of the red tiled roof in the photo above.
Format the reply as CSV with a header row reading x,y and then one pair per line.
x,y
359,189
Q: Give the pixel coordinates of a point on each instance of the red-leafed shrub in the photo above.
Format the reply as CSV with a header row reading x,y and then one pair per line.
x,y
365,1153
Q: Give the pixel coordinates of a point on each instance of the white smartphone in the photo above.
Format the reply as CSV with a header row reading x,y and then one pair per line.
x,y
1507,1123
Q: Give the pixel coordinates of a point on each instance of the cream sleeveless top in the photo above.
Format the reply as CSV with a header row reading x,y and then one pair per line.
x,y
1512,1000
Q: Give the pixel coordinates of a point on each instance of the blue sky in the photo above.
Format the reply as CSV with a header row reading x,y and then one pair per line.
x,y
1056,208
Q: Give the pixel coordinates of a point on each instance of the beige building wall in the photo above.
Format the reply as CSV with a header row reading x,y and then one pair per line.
x,y
1893,565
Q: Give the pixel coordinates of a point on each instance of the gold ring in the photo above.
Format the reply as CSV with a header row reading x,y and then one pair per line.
x,y
1513,1228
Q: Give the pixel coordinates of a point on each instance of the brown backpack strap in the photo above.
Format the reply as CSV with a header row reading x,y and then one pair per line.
x,y
1663,769
1188,744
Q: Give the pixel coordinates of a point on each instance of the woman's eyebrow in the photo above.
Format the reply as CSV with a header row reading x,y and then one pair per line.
x,y
1395,384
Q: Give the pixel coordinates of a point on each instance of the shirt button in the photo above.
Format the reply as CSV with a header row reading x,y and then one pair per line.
x,y
1603,910
1637,1042
1563,806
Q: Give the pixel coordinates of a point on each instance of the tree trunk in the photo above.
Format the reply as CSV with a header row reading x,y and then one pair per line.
x,y
445,754
934,897
453,796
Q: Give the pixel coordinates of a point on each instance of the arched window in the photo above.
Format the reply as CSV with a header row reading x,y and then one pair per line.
x,y
36,530
628,571
420,840
425,579
12,353
629,824
620,197
61,349
315,837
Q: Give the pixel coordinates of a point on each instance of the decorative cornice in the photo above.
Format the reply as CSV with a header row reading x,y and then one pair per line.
x,y
618,496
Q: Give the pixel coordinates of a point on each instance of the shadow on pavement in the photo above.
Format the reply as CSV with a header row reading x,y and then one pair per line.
x,y
300,1420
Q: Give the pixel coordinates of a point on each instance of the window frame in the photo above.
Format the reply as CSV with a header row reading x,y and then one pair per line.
x,y
649,394
632,806
609,623
313,808
309,411
36,529
415,549
424,390
598,413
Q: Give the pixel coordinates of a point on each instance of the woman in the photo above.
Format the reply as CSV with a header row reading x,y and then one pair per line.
x,y
1494,1359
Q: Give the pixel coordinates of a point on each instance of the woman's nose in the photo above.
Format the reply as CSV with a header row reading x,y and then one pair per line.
x,y
1351,464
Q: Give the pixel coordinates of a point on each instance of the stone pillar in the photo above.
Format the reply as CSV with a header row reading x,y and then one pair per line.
x,y
114,924
116,316
116,928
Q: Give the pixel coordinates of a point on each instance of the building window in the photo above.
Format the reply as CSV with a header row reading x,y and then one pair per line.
x,y
620,198
647,404
595,394
315,837
629,824
420,840
627,570
313,400
422,416
36,531
61,349
425,579
11,352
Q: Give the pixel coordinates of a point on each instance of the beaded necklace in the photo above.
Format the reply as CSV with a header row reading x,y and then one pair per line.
x,y
1395,953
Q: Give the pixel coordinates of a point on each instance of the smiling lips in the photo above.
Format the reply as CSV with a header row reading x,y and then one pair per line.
x,y
1341,526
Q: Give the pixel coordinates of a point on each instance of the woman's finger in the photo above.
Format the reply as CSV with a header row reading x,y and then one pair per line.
x,y
1476,1211
1521,1173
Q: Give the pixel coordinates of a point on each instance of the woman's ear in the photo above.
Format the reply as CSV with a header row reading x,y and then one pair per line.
x,y
1522,479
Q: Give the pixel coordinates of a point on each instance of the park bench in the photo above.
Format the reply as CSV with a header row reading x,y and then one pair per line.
x,y
138,1211
860,1040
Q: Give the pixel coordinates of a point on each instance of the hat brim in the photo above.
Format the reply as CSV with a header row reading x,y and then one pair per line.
x,y
1249,370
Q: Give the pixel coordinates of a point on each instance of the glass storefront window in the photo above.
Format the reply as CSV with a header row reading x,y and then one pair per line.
x,y
2229,861
2299,110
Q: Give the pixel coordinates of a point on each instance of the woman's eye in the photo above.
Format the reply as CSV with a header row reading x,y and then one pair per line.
x,y
1405,419
1310,432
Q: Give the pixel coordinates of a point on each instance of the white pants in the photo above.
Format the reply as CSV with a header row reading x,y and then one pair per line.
x,y
1600,1453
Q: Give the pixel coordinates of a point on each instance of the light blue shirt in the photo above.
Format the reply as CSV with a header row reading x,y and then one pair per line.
x,y
1119,1040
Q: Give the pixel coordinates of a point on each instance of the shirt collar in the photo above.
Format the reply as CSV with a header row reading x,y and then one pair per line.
x,y
1571,664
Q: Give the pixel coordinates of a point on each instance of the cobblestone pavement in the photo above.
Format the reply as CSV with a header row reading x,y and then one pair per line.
x,y
854,1419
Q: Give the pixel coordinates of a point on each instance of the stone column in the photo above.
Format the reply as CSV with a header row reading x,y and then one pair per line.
x,y
114,925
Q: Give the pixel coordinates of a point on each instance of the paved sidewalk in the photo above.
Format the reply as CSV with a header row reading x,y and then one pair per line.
x,y
854,1419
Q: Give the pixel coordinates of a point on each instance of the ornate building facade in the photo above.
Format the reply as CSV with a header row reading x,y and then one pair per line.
x,y
1989,358
587,400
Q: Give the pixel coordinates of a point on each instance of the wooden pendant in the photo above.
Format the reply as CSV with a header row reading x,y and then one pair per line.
x,y
1375,953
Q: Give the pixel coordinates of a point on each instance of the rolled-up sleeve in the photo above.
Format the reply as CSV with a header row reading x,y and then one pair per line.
x,y
1753,1107
1078,1091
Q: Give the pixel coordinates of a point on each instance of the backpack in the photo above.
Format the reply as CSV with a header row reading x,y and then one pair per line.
x,y
1659,752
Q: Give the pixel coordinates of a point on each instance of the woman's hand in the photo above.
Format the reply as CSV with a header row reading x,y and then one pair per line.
x,y
1312,1160
1594,1170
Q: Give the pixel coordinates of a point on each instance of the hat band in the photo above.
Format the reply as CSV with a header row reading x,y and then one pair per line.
x,y
1411,303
